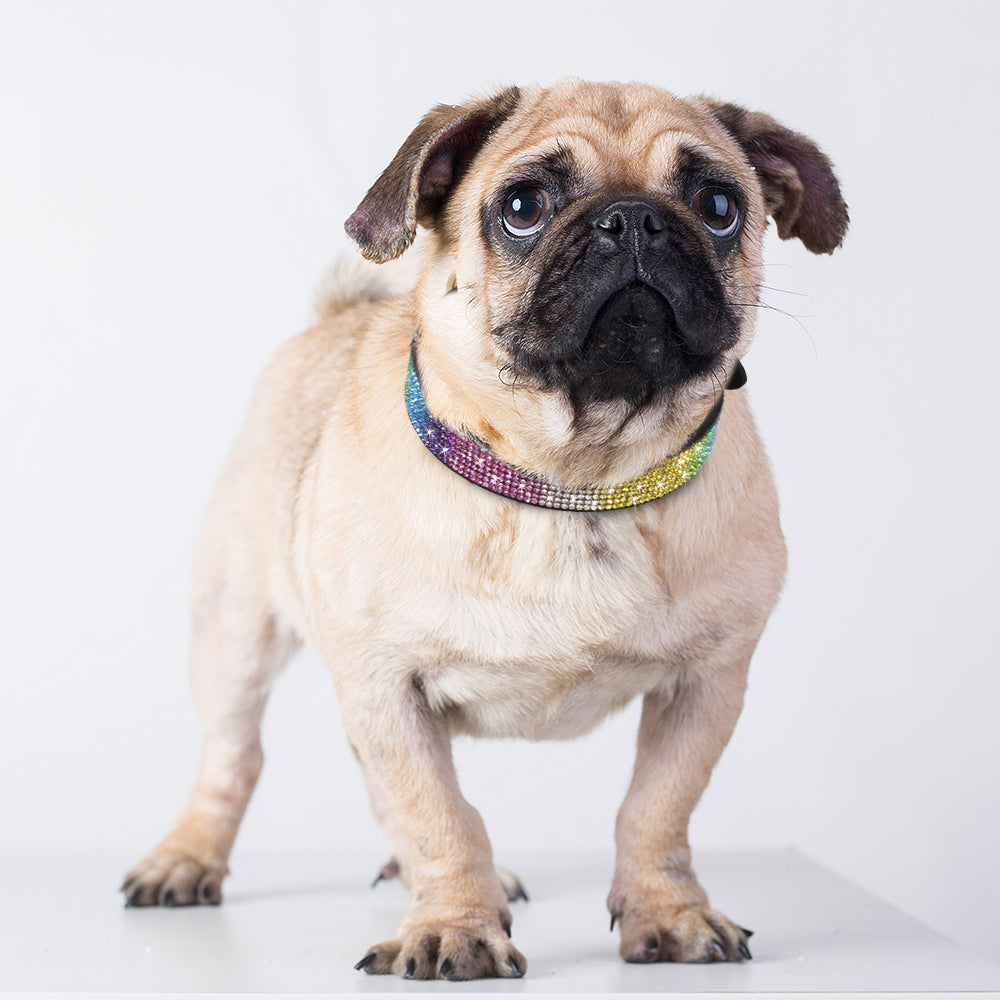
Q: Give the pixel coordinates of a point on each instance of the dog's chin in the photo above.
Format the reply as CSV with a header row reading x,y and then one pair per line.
x,y
634,351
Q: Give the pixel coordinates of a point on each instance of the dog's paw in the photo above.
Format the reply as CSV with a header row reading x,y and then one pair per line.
x,y
680,934
470,949
171,878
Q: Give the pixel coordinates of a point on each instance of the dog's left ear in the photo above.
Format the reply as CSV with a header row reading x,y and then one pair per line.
x,y
416,184
800,189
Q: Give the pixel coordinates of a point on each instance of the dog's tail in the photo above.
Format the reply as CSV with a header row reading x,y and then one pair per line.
x,y
352,279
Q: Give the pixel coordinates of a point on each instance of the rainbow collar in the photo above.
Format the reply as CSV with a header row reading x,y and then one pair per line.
x,y
474,461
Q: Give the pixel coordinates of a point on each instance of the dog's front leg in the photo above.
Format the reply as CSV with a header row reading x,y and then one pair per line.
x,y
662,910
457,925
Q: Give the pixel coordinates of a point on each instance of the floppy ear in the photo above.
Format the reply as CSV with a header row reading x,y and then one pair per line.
x,y
800,190
415,186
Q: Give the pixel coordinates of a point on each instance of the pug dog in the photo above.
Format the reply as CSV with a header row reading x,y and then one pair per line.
x,y
514,498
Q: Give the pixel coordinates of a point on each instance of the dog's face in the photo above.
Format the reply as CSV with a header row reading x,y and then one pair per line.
x,y
605,239
621,235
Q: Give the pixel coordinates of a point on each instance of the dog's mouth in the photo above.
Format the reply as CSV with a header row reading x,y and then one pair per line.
x,y
633,349
632,329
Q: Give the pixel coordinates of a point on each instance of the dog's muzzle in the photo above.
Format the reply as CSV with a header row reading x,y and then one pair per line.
x,y
632,306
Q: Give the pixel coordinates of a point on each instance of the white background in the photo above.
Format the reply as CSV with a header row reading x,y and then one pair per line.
x,y
173,181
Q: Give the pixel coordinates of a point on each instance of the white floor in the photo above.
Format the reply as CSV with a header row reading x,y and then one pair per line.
x,y
296,925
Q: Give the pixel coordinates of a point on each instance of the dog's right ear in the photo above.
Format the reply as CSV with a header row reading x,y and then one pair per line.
x,y
416,185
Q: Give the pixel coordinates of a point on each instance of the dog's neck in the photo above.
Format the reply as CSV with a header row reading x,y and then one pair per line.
x,y
473,459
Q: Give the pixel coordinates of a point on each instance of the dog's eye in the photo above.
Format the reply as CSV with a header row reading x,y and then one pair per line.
x,y
526,210
718,210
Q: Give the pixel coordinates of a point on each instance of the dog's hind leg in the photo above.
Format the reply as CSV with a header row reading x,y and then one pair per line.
x,y
398,865
238,647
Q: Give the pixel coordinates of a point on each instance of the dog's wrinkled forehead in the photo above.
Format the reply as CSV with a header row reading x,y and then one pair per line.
x,y
613,136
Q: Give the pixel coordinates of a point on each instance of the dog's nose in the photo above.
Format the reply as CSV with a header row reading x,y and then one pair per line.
x,y
628,224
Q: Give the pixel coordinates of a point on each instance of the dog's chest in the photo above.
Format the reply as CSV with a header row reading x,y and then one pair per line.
x,y
544,624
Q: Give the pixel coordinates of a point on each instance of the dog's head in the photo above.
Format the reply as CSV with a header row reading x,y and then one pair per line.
x,y
598,244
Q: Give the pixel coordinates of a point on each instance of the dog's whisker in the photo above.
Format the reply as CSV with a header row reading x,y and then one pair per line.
x,y
785,291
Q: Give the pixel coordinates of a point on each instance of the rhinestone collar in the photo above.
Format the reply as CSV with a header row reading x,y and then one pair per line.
x,y
474,461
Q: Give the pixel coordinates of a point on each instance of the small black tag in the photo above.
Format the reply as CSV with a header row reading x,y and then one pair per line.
x,y
739,377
